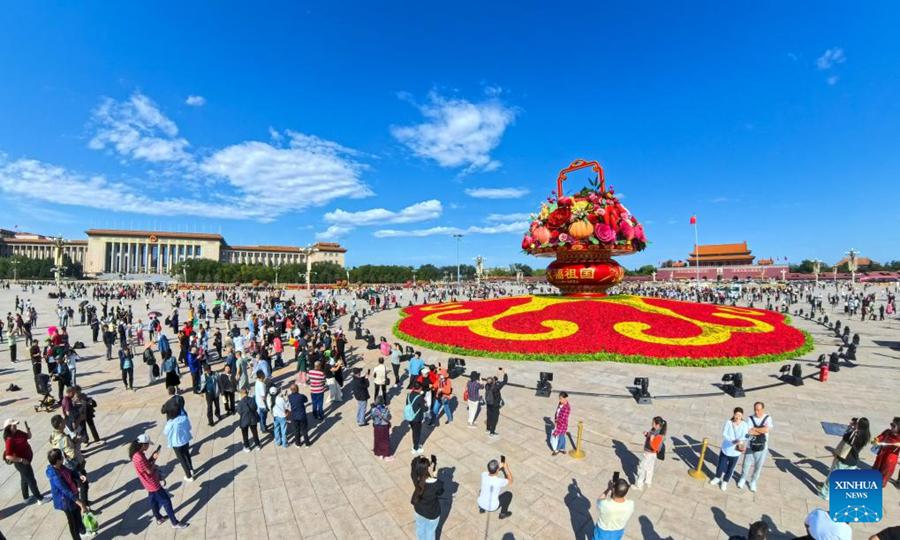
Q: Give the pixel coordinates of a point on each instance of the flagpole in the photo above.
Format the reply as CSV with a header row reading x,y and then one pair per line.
x,y
697,257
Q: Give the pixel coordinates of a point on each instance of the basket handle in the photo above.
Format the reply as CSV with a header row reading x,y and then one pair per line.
x,y
574,166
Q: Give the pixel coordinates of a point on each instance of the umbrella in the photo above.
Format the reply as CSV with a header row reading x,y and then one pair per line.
x,y
82,303
218,303
154,314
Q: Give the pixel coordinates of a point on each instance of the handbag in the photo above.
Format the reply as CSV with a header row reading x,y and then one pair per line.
x,y
844,447
661,453
90,523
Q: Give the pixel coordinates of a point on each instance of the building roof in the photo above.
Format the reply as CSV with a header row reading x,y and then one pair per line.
x,y
268,249
860,261
706,250
746,257
158,234
330,246
40,240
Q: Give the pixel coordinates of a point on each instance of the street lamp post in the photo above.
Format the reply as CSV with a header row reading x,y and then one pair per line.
x,y
15,265
458,240
307,251
852,265
58,262
184,269
277,268
817,267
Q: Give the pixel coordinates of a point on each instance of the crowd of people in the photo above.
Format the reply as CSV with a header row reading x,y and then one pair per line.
x,y
263,354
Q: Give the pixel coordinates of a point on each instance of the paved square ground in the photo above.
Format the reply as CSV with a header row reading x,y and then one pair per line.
x,y
338,489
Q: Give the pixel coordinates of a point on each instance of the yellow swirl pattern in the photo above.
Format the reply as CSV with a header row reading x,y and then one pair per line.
x,y
709,333
484,326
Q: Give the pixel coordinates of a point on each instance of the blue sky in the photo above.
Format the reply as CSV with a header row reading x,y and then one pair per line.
x,y
389,127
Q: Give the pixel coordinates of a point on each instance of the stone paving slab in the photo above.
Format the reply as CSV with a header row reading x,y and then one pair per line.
x,y
337,489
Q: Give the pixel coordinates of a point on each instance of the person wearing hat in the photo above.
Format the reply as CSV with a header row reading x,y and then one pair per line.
x,y
148,474
18,452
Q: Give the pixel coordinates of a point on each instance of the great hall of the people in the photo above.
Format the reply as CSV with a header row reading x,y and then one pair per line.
x,y
156,252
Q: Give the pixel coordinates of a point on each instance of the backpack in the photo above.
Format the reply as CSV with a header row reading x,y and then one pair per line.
x,y
155,370
409,413
661,453
758,442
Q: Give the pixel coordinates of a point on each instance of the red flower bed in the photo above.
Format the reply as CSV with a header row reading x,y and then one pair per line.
x,y
621,328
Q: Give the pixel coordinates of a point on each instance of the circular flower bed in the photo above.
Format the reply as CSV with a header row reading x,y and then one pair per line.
x,y
617,328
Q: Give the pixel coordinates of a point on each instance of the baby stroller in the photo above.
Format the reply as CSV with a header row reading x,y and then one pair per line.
x,y
47,403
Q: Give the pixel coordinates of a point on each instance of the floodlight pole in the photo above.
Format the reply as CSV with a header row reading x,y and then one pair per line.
x,y
458,239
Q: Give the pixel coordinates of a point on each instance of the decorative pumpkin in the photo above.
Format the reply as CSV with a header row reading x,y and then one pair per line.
x,y
541,235
581,229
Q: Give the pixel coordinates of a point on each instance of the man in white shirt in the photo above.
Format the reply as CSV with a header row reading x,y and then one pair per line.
x,y
759,425
490,497
259,394
819,526
614,509
279,419
379,379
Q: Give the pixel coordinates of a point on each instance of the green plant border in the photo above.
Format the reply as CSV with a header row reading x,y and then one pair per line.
x,y
675,361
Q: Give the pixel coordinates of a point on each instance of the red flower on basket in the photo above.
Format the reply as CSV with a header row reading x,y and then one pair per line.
x,y
559,217
604,233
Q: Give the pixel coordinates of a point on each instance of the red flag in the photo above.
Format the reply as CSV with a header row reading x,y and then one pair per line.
x,y
693,220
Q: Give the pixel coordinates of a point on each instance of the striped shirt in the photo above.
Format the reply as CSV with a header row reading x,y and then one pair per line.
x,y
316,381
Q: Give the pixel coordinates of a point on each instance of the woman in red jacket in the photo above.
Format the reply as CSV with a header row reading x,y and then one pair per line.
x,y
18,452
889,448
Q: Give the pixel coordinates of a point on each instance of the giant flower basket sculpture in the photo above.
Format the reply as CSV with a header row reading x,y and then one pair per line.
x,y
584,232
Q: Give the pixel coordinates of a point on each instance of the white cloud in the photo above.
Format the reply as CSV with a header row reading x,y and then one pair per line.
x,y
832,80
344,222
421,211
136,129
195,101
458,133
519,228
506,218
248,180
308,172
334,232
35,180
830,57
496,193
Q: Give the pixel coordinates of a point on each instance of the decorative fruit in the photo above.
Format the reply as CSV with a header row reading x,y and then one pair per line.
x,y
541,235
581,229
